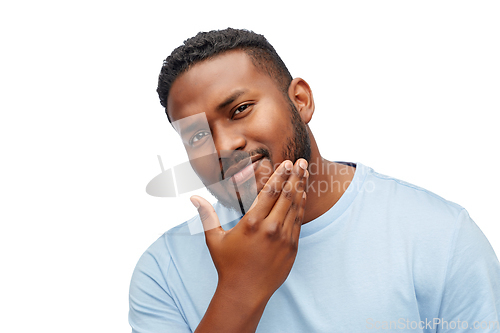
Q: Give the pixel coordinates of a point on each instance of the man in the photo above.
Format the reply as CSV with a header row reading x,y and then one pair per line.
x,y
318,246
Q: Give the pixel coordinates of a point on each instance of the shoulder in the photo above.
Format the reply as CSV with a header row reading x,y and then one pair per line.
x,y
153,265
181,244
403,196
406,214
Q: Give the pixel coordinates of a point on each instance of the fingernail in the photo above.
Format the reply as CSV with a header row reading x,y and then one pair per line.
x,y
303,164
288,165
195,202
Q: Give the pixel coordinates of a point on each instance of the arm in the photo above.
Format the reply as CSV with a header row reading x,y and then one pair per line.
x,y
152,309
472,286
255,257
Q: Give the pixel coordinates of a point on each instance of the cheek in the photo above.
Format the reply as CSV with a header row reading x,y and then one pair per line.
x,y
273,129
207,168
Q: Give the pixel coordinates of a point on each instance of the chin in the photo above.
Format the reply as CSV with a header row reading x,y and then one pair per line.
x,y
231,199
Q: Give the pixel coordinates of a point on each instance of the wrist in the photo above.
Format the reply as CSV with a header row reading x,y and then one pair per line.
x,y
230,311
242,297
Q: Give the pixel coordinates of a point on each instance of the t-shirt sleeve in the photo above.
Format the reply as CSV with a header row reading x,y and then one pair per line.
x,y
152,309
471,294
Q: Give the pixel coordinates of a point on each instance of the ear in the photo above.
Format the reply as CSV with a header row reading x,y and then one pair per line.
x,y
301,96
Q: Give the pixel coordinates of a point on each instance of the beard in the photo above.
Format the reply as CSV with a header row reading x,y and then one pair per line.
x,y
298,145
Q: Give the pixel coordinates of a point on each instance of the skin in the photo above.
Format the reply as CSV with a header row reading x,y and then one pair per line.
x,y
254,258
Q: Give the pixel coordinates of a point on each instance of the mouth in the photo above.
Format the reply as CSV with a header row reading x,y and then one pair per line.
x,y
243,170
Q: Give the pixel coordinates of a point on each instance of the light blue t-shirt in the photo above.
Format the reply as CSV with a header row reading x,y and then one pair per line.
x,y
388,256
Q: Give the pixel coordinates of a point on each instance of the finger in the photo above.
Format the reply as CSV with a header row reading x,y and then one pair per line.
x,y
294,209
209,219
288,199
267,197
297,225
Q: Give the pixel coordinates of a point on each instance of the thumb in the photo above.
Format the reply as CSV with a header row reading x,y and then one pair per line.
x,y
208,217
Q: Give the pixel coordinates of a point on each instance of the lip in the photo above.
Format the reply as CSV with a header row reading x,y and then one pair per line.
x,y
242,168
246,173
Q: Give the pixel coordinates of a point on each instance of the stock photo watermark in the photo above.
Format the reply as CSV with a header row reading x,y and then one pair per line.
x,y
237,178
182,179
432,324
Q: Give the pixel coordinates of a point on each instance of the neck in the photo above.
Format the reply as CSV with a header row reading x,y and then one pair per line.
x,y
326,184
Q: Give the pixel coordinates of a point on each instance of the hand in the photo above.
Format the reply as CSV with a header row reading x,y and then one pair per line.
x,y
254,258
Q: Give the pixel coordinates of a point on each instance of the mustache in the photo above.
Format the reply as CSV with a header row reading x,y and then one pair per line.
x,y
230,158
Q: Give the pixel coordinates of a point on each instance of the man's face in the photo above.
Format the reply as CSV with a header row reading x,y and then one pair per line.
x,y
236,126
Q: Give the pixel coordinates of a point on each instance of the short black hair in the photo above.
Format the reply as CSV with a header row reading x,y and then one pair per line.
x,y
207,45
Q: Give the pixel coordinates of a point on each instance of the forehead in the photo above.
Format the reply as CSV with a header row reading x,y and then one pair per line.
x,y
208,83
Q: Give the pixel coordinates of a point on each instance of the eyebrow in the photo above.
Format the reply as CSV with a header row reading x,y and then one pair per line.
x,y
189,129
230,99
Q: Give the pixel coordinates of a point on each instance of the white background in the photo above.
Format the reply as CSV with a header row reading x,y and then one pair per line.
x,y
410,89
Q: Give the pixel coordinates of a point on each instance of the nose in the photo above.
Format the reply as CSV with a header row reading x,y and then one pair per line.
x,y
227,140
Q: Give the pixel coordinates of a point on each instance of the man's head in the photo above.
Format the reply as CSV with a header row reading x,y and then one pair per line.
x,y
207,45
231,98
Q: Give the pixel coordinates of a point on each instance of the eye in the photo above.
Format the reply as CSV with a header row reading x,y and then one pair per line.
x,y
197,137
240,109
